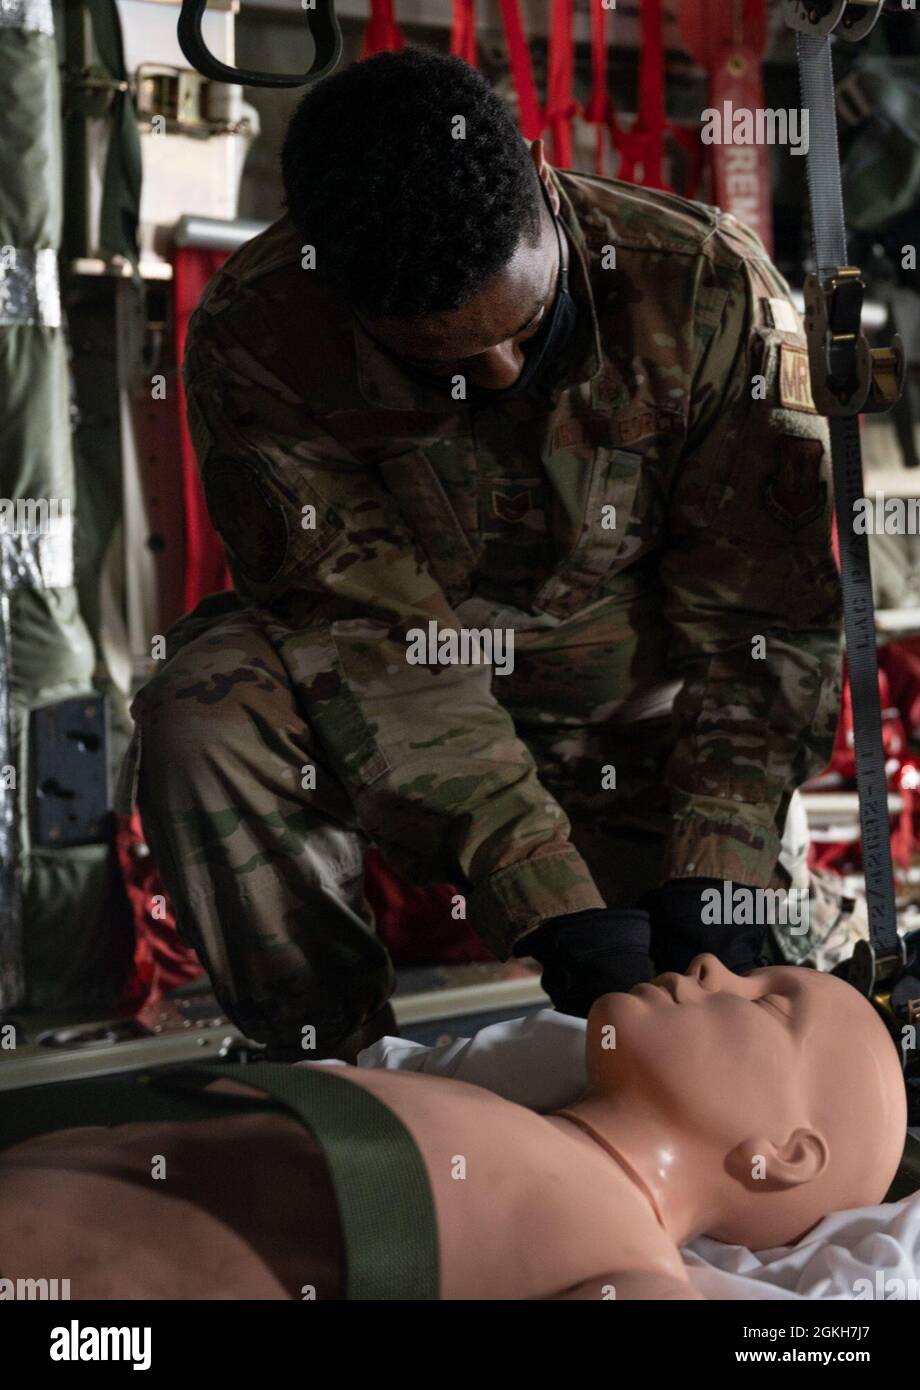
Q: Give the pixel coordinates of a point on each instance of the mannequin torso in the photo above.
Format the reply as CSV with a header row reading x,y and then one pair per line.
x,y
527,1206
742,1107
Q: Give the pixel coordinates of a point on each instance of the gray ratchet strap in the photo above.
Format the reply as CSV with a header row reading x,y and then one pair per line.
x,y
848,378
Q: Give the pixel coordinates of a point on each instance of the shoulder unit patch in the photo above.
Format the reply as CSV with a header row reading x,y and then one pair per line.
x,y
795,494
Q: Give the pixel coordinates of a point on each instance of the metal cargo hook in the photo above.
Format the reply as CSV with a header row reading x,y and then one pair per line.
x,y
322,25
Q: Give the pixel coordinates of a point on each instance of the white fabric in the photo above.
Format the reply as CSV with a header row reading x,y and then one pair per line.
x,y
867,1253
539,1061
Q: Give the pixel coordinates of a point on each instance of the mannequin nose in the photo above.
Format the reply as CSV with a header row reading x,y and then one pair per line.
x,y
709,972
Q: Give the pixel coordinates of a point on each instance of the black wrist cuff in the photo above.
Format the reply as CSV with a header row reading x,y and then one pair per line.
x,y
595,931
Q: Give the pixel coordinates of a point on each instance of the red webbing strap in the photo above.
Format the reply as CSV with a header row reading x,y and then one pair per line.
x,y
741,173
383,34
530,116
205,563
463,32
561,106
599,111
528,109
161,961
642,148
729,43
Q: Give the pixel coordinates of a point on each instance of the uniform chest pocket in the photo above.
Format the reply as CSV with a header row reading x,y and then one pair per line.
x,y
594,523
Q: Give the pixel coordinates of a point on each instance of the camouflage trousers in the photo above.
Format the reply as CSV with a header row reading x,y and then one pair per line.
x,y
266,873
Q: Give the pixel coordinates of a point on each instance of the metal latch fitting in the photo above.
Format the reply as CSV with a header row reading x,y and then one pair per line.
x,y
849,19
847,376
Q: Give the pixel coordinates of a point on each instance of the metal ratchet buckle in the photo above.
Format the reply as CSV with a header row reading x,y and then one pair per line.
x,y
847,376
877,975
322,25
848,19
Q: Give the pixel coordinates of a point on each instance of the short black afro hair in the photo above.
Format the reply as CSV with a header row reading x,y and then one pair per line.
x,y
407,220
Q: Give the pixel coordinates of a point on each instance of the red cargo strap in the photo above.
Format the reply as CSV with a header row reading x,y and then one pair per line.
x,y
205,564
463,33
530,117
729,43
161,960
599,111
642,148
561,106
382,34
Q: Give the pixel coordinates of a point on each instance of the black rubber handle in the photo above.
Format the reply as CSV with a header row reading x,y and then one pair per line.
x,y
323,27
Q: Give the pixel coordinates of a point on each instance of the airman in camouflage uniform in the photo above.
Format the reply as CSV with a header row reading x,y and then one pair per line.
x,y
655,531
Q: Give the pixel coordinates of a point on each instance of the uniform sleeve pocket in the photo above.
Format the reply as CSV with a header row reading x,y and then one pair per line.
x,y
271,517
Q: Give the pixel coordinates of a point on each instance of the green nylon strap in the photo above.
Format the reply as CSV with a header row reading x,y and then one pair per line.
x,y
382,1190
121,189
386,1208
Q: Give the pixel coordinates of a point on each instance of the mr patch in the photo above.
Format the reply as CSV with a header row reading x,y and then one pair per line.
x,y
795,379
795,494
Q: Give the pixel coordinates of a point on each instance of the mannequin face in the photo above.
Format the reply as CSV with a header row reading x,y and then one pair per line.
x,y
693,1039
785,1064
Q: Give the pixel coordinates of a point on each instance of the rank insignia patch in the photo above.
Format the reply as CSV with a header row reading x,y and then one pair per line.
x,y
512,506
796,494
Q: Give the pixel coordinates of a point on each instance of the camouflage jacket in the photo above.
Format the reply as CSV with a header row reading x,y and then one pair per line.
x,y
675,469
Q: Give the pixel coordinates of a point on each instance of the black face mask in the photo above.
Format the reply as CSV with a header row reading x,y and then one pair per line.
x,y
539,353
545,347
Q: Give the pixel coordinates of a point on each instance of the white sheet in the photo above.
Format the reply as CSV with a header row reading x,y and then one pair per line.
x,y
866,1253
539,1061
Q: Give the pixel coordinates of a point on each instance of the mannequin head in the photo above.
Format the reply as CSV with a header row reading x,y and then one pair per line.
x,y
779,1094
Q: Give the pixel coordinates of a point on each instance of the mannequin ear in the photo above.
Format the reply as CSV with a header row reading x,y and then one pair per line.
x,y
760,1165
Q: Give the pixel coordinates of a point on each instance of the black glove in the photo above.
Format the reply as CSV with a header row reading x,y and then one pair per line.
x,y
587,954
678,932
